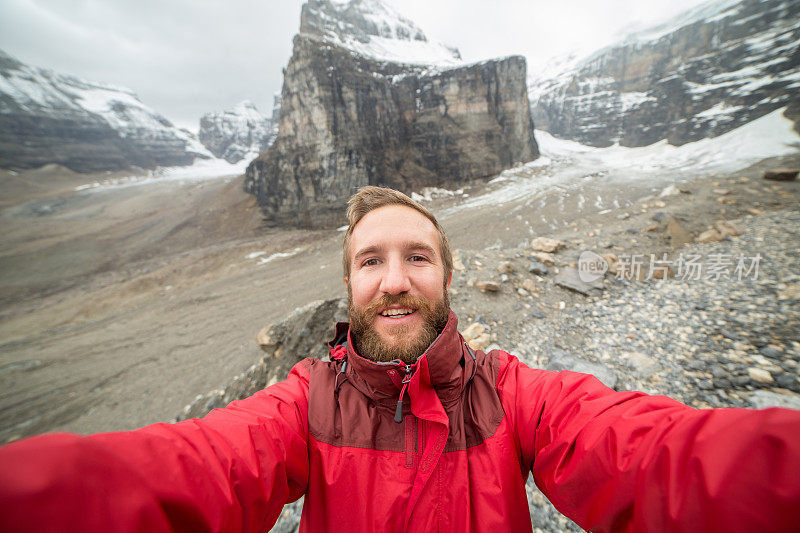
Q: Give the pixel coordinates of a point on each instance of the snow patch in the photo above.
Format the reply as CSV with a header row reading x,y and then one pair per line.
x,y
428,194
202,169
719,110
769,136
402,51
279,255
376,30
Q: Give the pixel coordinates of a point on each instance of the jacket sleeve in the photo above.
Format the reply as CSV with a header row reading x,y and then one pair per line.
x,y
232,470
627,461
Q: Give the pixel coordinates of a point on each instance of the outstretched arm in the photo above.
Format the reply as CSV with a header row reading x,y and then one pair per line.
x,y
232,470
626,461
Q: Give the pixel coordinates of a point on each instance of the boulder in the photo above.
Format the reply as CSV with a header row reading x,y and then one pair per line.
x,y
458,264
759,375
672,190
611,260
662,271
642,365
678,236
762,399
545,258
710,235
563,360
488,286
477,336
529,285
569,278
547,245
506,267
537,267
781,174
727,228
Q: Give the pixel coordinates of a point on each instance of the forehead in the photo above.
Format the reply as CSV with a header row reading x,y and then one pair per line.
x,y
393,225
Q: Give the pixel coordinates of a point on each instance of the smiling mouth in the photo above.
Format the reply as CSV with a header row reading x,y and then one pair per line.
x,y
397,313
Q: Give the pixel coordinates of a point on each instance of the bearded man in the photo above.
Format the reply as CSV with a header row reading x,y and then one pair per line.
x,y
407,429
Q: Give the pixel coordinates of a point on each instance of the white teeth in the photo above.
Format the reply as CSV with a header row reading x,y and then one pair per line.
x,y
397,312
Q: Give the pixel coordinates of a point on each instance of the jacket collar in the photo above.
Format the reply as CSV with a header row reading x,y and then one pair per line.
x,y
446,365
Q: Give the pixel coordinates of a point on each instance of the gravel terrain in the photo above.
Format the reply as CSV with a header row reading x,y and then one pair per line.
x,y
119,307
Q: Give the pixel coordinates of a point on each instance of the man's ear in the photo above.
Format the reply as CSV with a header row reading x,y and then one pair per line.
x,y
449,280
345,281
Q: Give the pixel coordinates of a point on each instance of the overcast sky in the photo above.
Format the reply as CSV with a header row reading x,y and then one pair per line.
x,y
188,57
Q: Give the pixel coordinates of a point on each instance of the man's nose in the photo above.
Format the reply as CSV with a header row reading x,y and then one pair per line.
x,y
395,278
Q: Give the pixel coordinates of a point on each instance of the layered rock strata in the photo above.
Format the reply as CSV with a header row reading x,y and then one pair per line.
x,y
705,73
350,119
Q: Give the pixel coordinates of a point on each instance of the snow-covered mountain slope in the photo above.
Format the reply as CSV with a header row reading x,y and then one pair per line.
x,y
47,117
701,74
570,167
239,133
373,29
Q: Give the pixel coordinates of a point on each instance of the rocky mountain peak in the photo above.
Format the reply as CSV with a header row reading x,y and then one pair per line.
x,y
373,28
9,63
238,133
367,99
246,107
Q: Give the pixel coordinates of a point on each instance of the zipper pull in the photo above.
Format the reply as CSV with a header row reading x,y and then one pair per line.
x,y
398,413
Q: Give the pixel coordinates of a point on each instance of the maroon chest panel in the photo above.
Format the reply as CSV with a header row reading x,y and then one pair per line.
x,y
340,414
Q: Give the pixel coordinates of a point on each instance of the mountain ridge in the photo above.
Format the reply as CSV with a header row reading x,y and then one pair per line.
x,y
700,74
238,133
51,117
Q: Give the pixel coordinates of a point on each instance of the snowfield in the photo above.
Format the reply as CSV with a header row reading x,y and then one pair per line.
x,y
769,136
567,164
202,169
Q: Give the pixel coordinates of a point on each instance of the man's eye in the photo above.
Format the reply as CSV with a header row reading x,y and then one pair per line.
x,y
418,258
370,262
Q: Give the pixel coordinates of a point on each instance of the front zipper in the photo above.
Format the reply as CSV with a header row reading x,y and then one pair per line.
x,y
398,414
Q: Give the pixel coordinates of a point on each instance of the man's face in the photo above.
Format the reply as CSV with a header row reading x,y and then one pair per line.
x,y
397,292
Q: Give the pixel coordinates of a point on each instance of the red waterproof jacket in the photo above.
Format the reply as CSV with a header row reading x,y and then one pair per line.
x,y
473,427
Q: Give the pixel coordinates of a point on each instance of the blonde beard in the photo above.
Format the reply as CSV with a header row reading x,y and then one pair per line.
x,y
370,345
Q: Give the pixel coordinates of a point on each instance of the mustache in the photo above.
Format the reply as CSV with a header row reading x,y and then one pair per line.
x,y
403,300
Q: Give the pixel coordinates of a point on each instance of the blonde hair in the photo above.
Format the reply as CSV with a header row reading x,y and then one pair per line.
x,y
370,198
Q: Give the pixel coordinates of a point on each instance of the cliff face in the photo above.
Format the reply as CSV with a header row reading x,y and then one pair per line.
x,y
707,72
238,133
86,126
349,118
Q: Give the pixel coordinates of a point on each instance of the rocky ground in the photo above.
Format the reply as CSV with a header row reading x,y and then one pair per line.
x,y
718,333
119,309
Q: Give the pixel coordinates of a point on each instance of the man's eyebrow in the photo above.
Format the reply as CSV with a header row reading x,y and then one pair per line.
x,y
367,250
411,245
420,246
